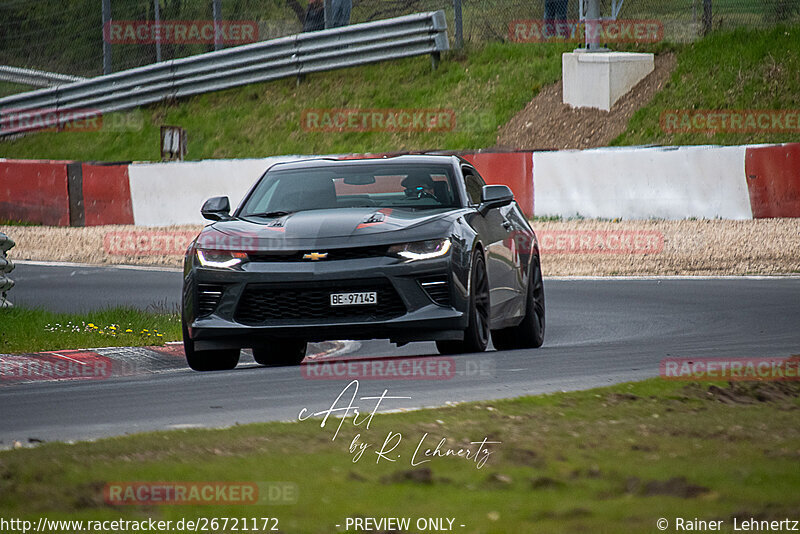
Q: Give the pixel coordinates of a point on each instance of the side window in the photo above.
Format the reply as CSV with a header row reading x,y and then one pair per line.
x,y
474,185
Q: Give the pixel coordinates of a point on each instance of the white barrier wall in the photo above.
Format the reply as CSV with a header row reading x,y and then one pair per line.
x,y
632,183
172,193
642,183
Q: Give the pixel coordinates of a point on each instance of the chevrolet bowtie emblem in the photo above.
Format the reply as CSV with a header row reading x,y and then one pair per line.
x,y
315,256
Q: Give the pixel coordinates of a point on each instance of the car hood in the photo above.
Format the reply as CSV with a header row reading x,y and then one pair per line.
x,y
342,227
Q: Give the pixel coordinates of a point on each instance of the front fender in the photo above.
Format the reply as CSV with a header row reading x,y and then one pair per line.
x,y
465,242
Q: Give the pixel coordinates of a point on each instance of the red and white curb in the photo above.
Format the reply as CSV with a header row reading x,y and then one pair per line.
x,y
113,362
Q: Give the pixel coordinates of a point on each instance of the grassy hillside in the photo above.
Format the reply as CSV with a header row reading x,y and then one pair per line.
x,y
739,70
484,88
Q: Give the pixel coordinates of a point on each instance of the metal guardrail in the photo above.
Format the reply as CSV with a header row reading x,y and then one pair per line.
x,y
295,55
6,266
35,78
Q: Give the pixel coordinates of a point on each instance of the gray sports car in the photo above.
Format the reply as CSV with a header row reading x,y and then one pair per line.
x,y
407,248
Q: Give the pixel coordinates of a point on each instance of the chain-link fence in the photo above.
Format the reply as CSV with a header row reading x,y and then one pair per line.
x,y
69,36
681,20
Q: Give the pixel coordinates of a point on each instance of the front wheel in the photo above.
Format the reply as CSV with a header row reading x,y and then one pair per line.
x,y
476,336
281,353
208,360
529,334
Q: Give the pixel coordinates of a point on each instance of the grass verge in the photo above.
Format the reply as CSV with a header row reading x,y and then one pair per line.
x,y
738,70
10,88
31,330
608,460
14,222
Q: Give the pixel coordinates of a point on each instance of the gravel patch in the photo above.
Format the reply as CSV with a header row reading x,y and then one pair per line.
x,y
703,247
95,244
569,248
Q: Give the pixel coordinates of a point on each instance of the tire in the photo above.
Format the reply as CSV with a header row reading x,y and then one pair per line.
x,y
529,334
208,360
281,353
476,336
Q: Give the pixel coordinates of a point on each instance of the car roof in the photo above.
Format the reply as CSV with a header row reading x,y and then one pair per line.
x,y
377,160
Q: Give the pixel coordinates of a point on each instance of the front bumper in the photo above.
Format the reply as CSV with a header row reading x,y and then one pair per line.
x,y
421,319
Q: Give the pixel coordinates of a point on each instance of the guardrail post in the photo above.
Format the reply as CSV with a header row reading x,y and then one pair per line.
x,y
6,266
441,42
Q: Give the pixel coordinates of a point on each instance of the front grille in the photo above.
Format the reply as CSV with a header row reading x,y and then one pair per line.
x,y
352,253
309,302
437,288
208,297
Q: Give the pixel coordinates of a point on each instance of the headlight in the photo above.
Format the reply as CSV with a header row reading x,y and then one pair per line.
x,y
421,250
220,259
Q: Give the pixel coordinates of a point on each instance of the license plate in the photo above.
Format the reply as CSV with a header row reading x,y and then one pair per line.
x,y
354,299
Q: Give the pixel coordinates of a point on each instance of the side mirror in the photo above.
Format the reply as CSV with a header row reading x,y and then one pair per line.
x,y
216,209
495,196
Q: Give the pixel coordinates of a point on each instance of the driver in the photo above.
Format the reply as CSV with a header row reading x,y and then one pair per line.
x,y
419,185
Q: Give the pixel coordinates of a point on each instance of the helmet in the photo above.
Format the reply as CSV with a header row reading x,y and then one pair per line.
x,y
417,180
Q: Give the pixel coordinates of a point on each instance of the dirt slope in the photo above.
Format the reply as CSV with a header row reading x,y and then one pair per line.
x,y
546,123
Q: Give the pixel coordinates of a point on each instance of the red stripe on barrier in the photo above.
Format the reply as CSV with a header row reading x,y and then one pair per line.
x,y
34,191
773,180
107,194
514,169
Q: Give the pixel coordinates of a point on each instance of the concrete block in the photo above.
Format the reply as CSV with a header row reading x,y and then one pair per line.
x,y
599,79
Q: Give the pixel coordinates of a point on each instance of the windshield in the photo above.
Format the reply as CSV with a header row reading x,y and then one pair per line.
x,y
383,186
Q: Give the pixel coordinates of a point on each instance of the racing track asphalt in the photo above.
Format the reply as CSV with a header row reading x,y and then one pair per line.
x,y
599,332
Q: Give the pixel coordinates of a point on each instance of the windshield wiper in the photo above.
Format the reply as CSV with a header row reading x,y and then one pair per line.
x,y
269,214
